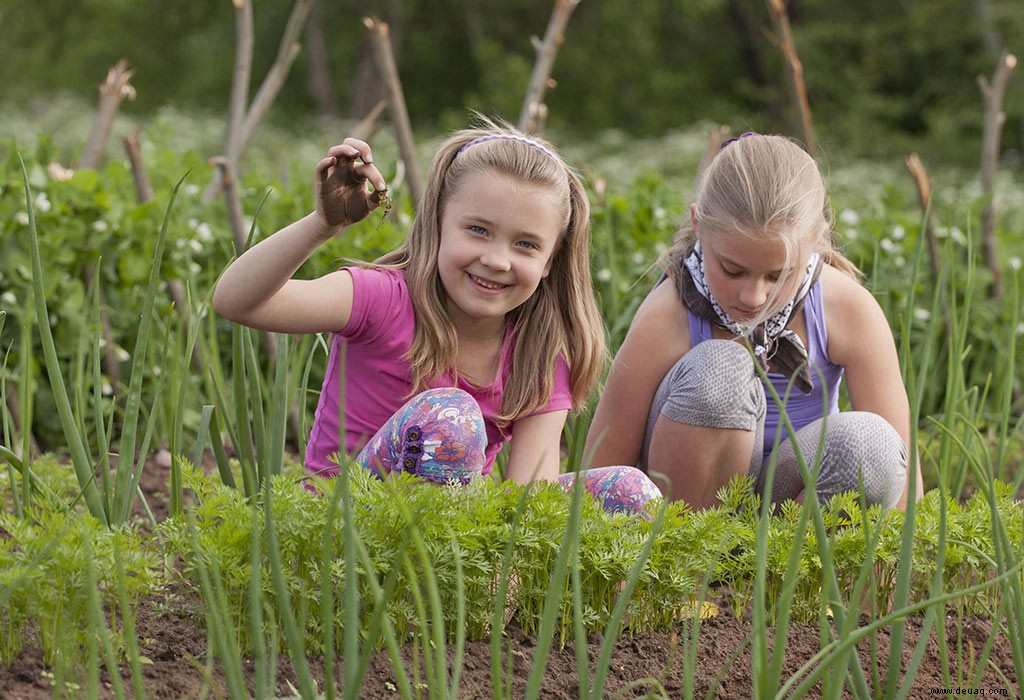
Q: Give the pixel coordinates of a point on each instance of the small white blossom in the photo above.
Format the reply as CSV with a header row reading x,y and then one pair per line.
x,y
922,314
958,235
58,172
42,202
191,189
194,269
121,354
639,258
22,218
106,389
9,298
849,217
204,231
192,223
604,275
852,233
660,213
888,246
196,246
900,261
1020,329
1015,263
898,232
99,226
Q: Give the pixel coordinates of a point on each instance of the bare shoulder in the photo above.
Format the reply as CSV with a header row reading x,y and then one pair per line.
x,y
662,314
853,316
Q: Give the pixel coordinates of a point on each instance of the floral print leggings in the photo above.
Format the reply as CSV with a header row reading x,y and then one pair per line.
x,y
440,436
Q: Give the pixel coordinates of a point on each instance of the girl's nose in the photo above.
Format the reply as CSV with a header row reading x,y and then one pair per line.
x,y
755,294
495,258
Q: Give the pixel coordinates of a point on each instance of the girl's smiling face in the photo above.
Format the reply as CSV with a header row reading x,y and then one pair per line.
x,y
498,238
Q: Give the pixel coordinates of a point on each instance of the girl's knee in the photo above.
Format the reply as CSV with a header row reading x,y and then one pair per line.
x,y
715,385
864,449
618,489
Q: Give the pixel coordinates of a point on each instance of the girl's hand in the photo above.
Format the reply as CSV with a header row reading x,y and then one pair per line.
x,y
342,197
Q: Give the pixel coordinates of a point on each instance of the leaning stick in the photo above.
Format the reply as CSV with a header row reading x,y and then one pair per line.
x,y
995,117
534,111
924,201
113,91
242,119
144,193
787,45
385,60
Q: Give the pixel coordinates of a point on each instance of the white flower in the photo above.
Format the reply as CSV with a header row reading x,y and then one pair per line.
x,y
192,223
958,235
204,231
639,258
99,226
922,314
58,172
192,189
121,354
9,298
196,246
604,275
1015,263
898,232
1020,329
106,389
22,218
900,261
851,233
660,213
42,202
194,269
849,217
888,246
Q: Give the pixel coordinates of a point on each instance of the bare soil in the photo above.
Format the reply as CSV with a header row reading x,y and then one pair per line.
x,y
171,635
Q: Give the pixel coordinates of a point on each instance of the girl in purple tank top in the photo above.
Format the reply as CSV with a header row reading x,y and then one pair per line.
x,y
733,363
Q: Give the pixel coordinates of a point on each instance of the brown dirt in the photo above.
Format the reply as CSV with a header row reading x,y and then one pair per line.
x,y
171,636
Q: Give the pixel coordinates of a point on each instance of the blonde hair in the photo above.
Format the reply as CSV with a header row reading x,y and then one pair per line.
x,y
561,317
762,186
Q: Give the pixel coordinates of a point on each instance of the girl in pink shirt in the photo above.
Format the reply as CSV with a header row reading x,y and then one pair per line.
x,y
480,328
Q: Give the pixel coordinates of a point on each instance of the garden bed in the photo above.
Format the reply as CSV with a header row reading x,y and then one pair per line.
x,y
173,640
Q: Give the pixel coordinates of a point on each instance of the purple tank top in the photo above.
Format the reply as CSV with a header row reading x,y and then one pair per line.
x,y
801,408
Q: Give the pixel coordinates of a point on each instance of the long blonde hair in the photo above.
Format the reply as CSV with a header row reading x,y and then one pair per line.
x,y
762,186
561,317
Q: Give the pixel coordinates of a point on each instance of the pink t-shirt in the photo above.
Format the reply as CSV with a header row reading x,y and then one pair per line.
x,y
378,378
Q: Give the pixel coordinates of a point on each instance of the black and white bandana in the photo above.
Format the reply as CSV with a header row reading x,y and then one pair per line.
x,y
771,340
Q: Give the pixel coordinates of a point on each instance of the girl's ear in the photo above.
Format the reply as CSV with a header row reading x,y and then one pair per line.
x,y
693,217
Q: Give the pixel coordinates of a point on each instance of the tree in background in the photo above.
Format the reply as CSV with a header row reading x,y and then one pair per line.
x,y
883,77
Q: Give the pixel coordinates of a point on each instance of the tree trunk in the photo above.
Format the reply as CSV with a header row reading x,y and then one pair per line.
x,y
319,65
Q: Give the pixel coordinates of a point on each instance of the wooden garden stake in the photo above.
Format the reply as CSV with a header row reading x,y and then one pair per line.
x,y
144,192
924,201
385,60
534,111
995,117
242,118
785,42
113,91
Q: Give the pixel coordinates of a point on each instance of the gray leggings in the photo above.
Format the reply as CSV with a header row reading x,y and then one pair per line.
x,y
715,385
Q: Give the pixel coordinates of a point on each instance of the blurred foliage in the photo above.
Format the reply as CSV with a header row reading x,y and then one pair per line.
x,y
883,77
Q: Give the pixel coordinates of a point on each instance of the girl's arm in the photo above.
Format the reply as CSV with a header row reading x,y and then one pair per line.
x,y
658,336
536,448
257,289
860,339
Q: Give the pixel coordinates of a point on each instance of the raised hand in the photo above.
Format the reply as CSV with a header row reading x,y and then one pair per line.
x,y
342,194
